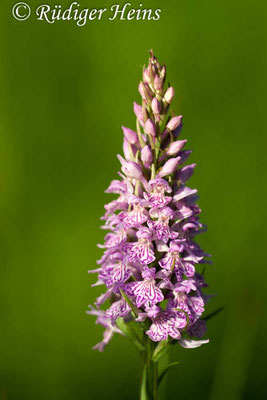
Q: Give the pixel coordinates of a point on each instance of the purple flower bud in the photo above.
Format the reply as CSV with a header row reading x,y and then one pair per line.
x,y
163,72
139,113
130,135
169,95
131,168
126,150
150,128
169,167
141,90
183,192
146,76
151,69
174,132
146,156
175,147
186,172
156,106
184,154
177,131
158,83
147,92
174,123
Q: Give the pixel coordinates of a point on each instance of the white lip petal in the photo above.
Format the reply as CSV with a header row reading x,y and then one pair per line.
x,y
161,246
192,344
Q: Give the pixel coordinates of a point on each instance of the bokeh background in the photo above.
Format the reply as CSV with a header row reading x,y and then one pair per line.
x,y
65,92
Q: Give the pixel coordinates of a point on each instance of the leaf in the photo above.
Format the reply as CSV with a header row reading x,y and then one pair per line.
x,y
157,147
130,303
130,333
136,156
164,372
211,315
160,350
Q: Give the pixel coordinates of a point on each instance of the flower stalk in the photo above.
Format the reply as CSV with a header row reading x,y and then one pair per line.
x,y
149,387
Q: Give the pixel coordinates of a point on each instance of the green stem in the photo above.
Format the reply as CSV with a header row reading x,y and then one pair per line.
x,y
149,388
155,381
153,171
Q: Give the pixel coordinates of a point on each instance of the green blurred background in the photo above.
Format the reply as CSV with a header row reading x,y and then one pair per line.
x,y
65,92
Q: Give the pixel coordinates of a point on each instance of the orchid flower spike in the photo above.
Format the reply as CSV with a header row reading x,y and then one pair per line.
x,y
151,267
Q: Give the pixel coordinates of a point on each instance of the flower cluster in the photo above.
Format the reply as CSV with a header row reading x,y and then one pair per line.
x,y
150,259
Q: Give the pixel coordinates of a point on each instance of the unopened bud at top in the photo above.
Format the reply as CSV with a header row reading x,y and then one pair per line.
x,y
169,167
146,156
162,73
175,147
145,91
150,128
174,123
131,168
151,69
139,113
158,83
169,95
156,106
127,150
130,135
141,90
185,173
146,76
184,154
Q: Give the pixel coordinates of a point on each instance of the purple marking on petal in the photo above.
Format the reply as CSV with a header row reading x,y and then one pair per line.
x,y
146,292
156,193
115,273
119,308
161,227
166,324
138,215
140,251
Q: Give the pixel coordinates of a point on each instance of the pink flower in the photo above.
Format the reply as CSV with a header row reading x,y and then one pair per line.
x,y
149,267
141,251
161,227
167,324
146,291
156,193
